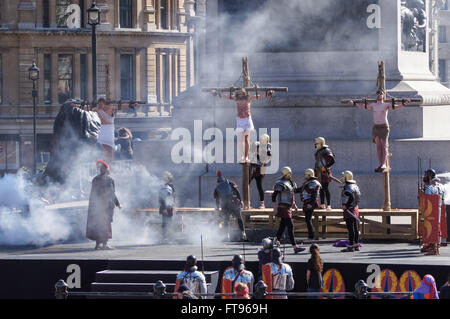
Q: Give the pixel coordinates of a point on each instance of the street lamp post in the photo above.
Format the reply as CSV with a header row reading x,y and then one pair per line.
x,y
94,20
33,73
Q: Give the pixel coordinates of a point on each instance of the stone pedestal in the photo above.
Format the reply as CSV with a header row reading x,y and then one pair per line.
x,y
317,81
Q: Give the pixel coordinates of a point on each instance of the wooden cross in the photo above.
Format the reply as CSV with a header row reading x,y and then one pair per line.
x,y
247,85
381,84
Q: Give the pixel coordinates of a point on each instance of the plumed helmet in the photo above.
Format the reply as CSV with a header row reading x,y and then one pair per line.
x,y
220,178
347,176
264,139
276,256
168,177
319,142
238,262
103,166
286,172
309,173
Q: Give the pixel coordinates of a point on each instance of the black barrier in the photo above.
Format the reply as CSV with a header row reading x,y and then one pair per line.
x,y
62,292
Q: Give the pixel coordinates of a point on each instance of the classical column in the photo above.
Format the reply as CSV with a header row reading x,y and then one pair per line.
x,y
76,74
89,76
138,73
40,63
175,72
52,13
170,74
26,11
149,16
54,78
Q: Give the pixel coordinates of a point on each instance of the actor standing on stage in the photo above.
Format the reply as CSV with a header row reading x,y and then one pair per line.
x,y
380,130
106,135
324,160
283,199
244,123
166,203
102,201
309,195
228,199
350,199
260,153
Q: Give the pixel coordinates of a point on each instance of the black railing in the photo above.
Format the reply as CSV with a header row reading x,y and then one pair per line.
x,y
62,292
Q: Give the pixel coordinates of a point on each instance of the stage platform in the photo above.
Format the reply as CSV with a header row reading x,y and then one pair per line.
x,y
31,272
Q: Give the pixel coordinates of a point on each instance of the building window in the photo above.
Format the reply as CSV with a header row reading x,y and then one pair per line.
x,y
127,77
443,71
165,78
442,34
61,15
163,11
1,80
9,153
82,13
46,14
445,6
83,76
47,78
126,16
65,78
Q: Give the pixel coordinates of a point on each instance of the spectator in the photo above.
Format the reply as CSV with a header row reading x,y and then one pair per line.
x,y
314,267
427,289
241,290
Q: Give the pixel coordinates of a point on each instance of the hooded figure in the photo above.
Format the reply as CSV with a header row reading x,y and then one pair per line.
x,y
228,199
102,201
427,289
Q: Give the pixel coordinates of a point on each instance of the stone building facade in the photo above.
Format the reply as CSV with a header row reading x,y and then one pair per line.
x,y
145,51
444,44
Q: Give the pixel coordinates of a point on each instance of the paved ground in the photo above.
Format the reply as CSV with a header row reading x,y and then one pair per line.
x,y
382,253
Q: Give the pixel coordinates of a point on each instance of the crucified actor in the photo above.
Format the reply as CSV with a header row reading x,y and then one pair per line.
x,y
106,112
380,130
244,123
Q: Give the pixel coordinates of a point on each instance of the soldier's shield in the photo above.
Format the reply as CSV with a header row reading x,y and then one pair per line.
x,y
267,278
226,288
386,281
429,215
408,281
175,290
333,282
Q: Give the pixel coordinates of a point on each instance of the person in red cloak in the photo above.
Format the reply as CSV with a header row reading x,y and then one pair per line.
x,y
102,201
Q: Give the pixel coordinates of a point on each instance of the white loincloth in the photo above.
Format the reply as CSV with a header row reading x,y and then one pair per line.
x,y
106,135
243,125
